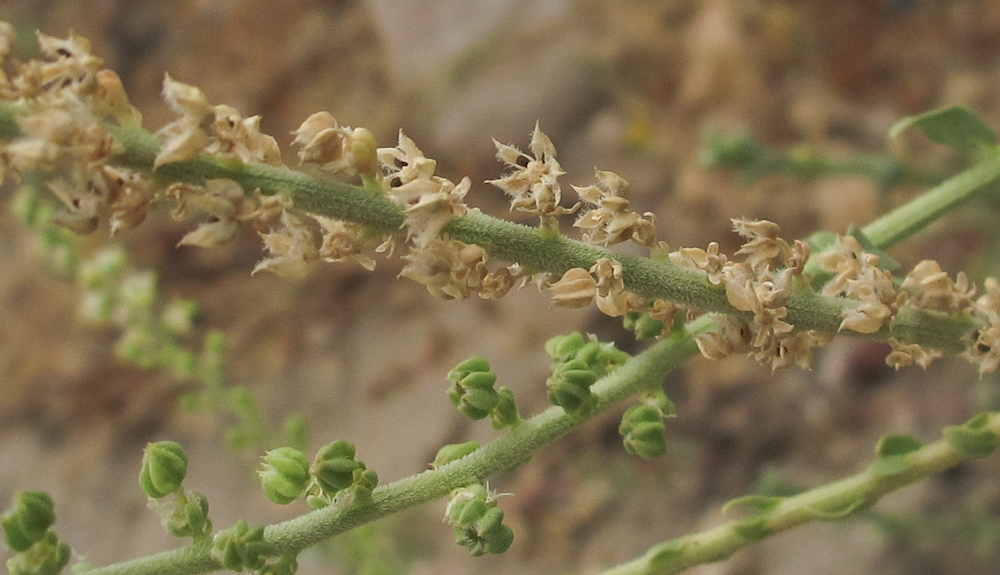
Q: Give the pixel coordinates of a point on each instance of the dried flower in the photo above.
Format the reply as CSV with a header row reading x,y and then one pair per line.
x,y
429,201
533,185
904,355
610,221
709,261
241,138
764,250
341,241
220,199
334,147
860,278
984,345
612,299
575,289
448,268
931,288
187,136
291,247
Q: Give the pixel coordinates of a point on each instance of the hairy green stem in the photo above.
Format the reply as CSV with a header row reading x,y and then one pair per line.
x,y
508,241
827,502
529,247
507,452
916,214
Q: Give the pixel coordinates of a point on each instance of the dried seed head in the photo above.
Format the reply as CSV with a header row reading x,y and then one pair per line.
x,y
533,185
291,247
608,219
575,289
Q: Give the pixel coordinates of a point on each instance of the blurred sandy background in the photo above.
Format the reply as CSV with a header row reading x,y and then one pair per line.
x,y
629,86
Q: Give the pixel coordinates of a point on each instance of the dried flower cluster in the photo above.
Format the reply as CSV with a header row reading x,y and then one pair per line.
x,y
533,184
608,220
66,99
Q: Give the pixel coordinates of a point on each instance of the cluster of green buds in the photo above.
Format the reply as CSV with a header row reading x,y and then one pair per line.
x,y
26,531
643,325
240,548
642,428
335,475
473,393
576,365
164,467
477,521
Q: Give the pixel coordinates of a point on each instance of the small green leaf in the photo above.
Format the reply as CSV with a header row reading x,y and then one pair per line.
x,y
453,451
888,466
758,502
891,445
837,512
971,442
665,555
752,528
955,126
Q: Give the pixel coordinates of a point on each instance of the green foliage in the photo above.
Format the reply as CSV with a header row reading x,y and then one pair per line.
x,y
973,439
453,451
952,126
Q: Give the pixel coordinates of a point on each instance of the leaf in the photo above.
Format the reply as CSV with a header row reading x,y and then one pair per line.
x,y
888,466
955,126
972,439
752,528
892,445
758,502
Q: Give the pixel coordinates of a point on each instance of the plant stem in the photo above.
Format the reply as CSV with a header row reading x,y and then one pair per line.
x,y
508,241
918,213
830,501
505,453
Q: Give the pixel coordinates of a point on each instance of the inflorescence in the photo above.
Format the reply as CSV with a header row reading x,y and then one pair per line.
x,y
67,108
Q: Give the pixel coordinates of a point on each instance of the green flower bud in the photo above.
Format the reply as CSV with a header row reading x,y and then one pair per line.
x,y
47,557
490,522
505,413
481,399
642,429
190,516
472,365
240,548
164,466
453,451
284,474
500,541
333,467
642,325
562,347
365,481
29,520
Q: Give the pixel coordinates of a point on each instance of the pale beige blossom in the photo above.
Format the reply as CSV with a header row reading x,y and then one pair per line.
x,y
608,219
334,147
533,184
291,248
430,202
575,289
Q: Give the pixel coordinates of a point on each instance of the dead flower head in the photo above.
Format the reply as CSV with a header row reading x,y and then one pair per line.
x,y
533,184
608,219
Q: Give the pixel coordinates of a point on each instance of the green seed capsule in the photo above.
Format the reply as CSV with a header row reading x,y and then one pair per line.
x,y
164,466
